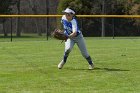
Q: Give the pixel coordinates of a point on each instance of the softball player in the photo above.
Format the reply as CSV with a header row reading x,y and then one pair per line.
x,y
74,35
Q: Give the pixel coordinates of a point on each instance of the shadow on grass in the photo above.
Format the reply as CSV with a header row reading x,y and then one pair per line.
x,y
101,69
110,69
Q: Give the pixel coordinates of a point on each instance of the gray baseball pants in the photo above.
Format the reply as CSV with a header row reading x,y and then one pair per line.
x,y
79,40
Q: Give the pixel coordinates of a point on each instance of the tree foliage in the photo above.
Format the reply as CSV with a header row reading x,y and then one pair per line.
x,y
116,7
80,6
5,6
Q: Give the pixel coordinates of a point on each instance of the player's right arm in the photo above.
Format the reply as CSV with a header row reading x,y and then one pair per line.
x,y
74,29
72,35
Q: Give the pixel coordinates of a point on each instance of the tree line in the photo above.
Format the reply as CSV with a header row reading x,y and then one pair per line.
x,y
27,25
106,26
89,26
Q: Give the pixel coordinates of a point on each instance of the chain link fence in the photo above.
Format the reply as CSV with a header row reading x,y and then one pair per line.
x,y
23,28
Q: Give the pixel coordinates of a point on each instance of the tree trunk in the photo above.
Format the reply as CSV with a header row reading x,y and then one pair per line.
x,y
7,27
19,28
47,19
103,19
34,9
4,29
103,27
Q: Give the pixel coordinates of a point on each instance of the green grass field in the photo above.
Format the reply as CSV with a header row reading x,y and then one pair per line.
x,y
31,67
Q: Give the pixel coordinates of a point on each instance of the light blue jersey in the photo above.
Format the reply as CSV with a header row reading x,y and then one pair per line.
x,y
70,27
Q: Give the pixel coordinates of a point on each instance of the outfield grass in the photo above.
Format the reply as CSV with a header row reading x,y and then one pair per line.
x,y
31,67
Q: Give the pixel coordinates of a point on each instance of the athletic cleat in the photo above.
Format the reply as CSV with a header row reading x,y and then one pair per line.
x,y
61,64
91,67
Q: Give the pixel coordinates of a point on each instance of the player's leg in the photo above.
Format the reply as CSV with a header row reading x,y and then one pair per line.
x,y
68,47
83,49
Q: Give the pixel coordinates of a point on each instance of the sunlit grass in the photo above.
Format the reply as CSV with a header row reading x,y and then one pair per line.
x,y
31,67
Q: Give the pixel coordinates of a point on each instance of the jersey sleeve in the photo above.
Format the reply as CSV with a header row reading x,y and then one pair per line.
x,y
74,26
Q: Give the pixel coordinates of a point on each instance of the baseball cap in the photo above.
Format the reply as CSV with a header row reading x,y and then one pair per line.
x,y
68,10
